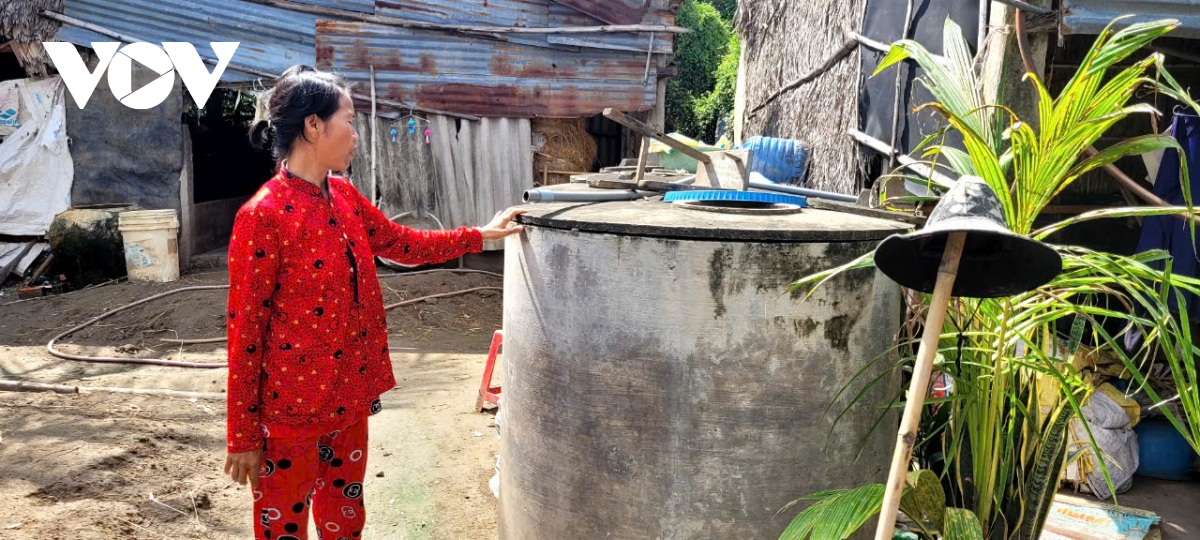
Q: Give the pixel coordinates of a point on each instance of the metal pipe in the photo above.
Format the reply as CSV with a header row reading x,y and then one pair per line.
x,y
804,192
546,195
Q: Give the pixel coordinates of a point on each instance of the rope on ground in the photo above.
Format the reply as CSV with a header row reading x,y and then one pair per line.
x,y
443,295
174,341
211,365
396,305
26,386
117,360
455,270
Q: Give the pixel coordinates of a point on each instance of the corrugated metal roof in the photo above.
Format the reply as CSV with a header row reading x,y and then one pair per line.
x,y
561,15
531,13
1091,16
362,6
611,11
526,13
484,77
522,13
272,39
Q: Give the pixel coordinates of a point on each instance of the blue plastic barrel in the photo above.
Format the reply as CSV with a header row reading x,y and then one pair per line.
x,y
1162,452
783,161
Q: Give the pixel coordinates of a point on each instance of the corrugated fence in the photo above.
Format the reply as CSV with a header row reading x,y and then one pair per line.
x,y
463,176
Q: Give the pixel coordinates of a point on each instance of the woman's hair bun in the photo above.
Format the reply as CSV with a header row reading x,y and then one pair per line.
x,y
301,91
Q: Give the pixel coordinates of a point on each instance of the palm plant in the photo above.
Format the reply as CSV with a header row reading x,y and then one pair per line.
x,y
1002,449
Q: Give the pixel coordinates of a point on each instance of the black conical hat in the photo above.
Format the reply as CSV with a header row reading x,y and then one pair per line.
x,y
995,261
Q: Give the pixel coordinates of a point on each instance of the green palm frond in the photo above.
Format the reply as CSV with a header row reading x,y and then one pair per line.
x,y
836,514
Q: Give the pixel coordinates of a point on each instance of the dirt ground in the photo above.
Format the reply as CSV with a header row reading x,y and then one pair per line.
x,y
100,465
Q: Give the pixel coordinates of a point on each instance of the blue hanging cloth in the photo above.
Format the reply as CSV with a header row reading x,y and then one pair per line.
x,y
1170,233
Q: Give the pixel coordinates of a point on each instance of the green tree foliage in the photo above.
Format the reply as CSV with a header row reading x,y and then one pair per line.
x,y
718,104
727,8
700,57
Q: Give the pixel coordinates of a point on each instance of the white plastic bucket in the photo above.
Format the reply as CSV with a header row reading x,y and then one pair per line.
x,y
151,239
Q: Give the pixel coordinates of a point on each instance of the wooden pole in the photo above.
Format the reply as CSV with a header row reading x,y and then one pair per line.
x,y
374,165
906,439
642,155
898,97
649,57
40,269
647,131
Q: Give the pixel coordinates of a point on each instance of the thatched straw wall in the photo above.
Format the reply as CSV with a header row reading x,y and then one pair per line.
x,y
21,24
784,39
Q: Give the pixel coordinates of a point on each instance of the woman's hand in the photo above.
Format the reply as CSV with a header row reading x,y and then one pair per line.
x,y
244,466
501,225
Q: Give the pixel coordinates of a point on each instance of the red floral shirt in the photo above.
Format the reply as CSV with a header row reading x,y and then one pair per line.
x,y
307,333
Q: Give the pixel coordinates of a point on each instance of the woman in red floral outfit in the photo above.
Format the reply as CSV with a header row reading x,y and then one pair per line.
x,y
308,350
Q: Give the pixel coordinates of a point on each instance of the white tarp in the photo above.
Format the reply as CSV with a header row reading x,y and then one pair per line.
x,y
35,163
10,108
10,251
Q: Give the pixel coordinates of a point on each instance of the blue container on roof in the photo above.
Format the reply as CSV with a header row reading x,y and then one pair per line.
x,y
783,161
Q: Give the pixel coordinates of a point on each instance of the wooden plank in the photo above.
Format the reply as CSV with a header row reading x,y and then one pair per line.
x,y
728,170
647,131
1084,519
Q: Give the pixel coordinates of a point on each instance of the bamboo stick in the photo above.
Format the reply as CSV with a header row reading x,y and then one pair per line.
x,y
847,47
374,162
867,42
852,39
898,96
906,438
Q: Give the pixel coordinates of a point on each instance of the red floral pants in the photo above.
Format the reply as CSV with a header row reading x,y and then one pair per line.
x,y
321,471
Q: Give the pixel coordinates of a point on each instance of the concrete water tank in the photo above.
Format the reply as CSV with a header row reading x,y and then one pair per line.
x,y
660,383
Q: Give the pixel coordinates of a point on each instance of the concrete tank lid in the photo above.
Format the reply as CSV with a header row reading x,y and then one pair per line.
x,y
658,219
